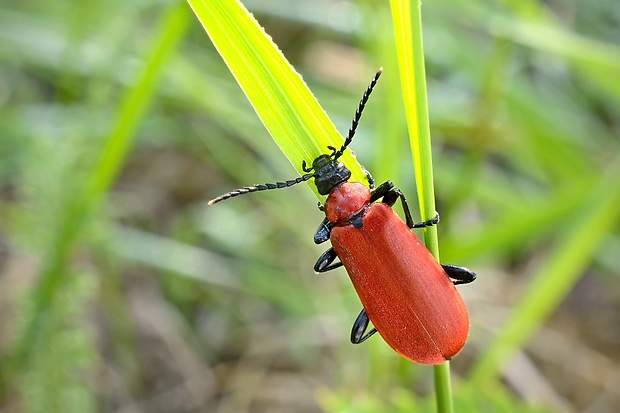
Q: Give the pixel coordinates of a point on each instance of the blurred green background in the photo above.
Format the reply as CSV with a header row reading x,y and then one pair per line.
x,y
120,291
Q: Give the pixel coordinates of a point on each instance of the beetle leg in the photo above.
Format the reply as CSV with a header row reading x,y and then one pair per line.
x,y
460,275
326,262
428,223
322,233
381,191
389,195
359,328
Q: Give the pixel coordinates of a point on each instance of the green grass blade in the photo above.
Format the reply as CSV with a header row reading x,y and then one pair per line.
x,y
557,276
410,52
137,100
278,94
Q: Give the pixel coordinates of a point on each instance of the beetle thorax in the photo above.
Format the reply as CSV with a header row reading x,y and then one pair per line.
x,y
345,201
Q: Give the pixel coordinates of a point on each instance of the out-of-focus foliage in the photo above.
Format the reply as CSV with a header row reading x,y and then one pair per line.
x,y
121,291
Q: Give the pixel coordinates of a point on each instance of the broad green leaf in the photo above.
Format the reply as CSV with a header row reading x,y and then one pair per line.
x,y
278,94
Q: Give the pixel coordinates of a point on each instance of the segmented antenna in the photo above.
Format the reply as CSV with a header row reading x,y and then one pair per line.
x,y
261,187
335,155
358,115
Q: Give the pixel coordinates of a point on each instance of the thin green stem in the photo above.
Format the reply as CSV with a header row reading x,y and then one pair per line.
x,y
410,52
443,388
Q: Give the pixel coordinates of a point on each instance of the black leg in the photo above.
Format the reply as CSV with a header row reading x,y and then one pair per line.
x,y
428,223
326,262
322,233
388,195
460,275
381,191
359,328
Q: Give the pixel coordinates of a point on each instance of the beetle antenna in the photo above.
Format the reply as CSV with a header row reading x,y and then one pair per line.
x,y
261,187
358,115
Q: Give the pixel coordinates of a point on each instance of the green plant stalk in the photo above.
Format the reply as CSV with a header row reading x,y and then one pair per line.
x,y
288,109
443,388
172,27
410,52
557,276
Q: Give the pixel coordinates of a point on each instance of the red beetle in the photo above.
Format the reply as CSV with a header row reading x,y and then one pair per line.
x,y
406,294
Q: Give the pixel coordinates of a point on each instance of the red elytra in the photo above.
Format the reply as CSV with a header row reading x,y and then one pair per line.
x,y
407,295
405,292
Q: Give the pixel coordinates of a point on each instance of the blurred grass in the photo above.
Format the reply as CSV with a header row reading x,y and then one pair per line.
x,y
167,306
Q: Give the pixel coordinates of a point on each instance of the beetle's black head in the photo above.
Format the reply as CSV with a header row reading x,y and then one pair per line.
x,y
329,173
